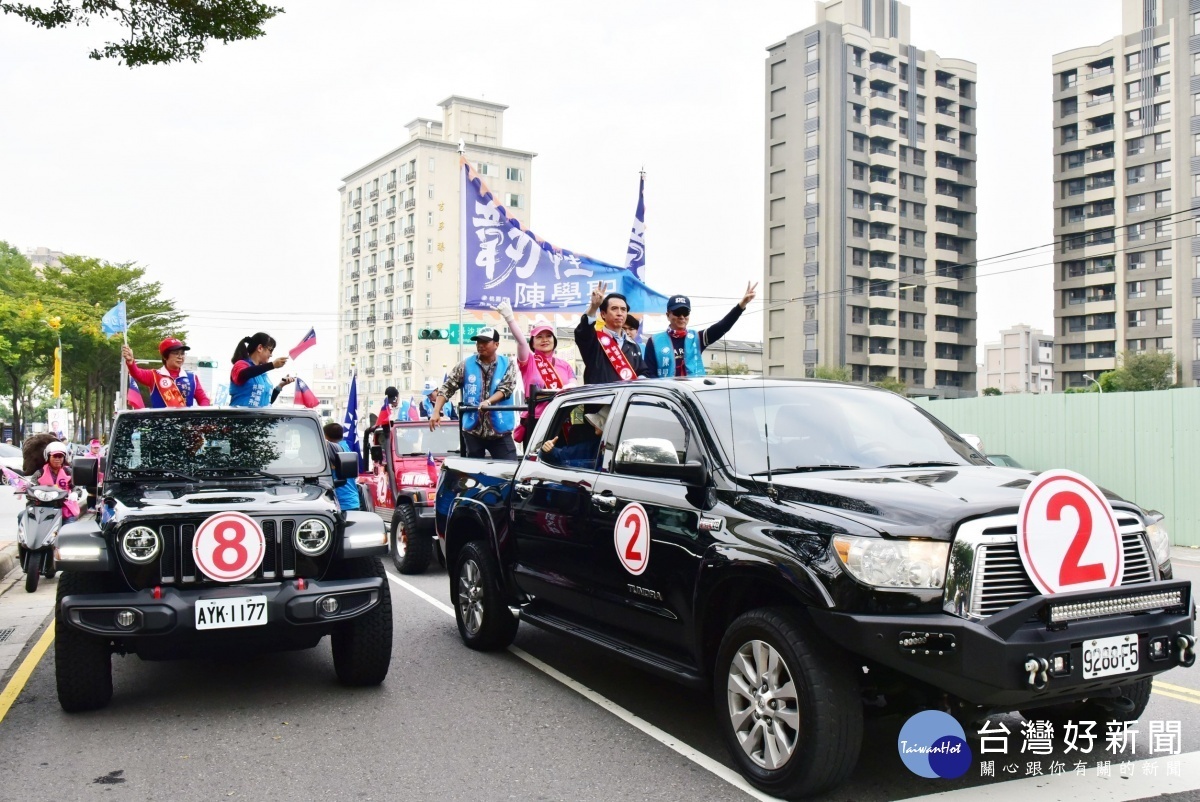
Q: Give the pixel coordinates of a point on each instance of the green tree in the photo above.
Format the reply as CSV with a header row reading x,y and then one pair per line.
x,y
992,391
156,31
725,369
895,385
837,374
1153,370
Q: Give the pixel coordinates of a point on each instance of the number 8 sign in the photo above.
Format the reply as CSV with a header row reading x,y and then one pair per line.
x,y
631,536
229,546
1067,535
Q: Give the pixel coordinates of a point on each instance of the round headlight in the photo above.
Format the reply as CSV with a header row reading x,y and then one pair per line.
x,y
140,544
313,536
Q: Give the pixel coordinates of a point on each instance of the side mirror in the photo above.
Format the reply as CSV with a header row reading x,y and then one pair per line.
x,y
84,471
656,458
346,465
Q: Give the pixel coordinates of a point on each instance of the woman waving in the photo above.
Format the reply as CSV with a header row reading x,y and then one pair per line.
x,y
539,365
248,382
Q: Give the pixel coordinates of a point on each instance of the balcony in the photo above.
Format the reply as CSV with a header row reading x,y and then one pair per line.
x,y
370,320
369,371
389,289
354,275
391,187
410,178
390,238
353,299
387,369
355,251
372,270
357,202
389,263
879,65
356,227
354,324
406,312
370,295
406,367
409,258
374,194
373,244
373,219
370,345
408,285
390,211
352,348
883,94
406,339
410,230
388,316
411,203
387,342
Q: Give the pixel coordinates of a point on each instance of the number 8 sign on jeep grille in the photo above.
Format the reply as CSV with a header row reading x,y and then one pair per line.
x,y
229,546
1067,535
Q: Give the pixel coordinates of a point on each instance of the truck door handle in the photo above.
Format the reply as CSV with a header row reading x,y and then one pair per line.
x,y
523,489
604,503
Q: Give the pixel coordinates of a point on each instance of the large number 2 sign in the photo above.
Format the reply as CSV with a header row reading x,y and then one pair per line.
x,y
1067,534
631,537
229,547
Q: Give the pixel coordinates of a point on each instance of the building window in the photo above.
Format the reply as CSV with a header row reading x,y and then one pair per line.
x,y
1137,319
1163,316
430,191
1135,175
1133,90
1068,79
810,111
1162,114
1162,53
1135,203
1162,286
429,245
514,174
812,53
1133,118
1135,261
1162,141
1133,61
1162,198
514,201
1135,289
1162,169
1136,232
1162,258
1162,228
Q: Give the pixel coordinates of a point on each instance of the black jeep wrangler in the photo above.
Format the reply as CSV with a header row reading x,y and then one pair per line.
x,y
217,531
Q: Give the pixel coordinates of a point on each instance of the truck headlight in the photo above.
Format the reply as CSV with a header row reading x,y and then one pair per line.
x,y
140,544
312,536
1160,540
894,563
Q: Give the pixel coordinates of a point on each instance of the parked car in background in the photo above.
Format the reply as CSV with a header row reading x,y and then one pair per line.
x,y
10,457
1004,461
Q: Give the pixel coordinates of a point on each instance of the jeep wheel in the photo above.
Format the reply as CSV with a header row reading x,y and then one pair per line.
x,y
788,704
82,662
411,550
1137,693
484,620
362,646
33,570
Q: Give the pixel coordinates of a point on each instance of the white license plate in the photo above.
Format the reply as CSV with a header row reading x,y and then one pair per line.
x,y
246,611
1106,656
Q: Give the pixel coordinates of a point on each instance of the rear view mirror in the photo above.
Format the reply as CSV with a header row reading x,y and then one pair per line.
x,y
346,466
84,471
656,458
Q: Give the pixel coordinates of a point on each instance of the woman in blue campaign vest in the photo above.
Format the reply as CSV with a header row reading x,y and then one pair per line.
x,y
248,382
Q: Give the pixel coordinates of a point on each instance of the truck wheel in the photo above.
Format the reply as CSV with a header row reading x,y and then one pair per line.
x,y
788,704
362,646
484,620
1093,709
411,549
33,570
82,662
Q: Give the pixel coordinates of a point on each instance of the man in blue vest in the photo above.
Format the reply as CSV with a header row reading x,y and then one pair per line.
x,y
677,351
486,379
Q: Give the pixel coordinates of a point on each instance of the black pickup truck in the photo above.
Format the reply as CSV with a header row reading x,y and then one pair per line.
x,y
806,549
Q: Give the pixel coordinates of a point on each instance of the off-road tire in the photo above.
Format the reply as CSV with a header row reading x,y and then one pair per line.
x,y
362,646
417,549
82,662
484,621
1093,709
828,702
34,561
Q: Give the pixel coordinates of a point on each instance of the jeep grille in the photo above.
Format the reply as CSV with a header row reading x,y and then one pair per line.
x,y
178,566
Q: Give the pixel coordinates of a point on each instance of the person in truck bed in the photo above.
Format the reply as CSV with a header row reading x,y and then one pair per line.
x,y
170,385
486,379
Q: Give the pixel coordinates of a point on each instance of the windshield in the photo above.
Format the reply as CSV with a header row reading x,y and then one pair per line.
x,y
410,440
9,451
194,445
803,426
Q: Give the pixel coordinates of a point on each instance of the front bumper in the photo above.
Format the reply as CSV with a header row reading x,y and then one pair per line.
x,y
173,615
988,662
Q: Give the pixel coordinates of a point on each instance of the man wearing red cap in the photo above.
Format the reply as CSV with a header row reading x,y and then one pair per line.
x,y
170,385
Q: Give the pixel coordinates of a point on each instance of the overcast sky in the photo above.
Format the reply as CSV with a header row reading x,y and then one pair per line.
x,y
221,177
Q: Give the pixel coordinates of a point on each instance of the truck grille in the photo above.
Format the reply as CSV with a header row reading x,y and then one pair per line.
x,y
177,565
986,575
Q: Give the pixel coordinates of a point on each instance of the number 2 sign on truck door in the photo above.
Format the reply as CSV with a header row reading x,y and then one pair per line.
x,y
1067,535
631,537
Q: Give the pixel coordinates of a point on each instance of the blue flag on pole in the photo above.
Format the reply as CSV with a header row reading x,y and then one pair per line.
x,y
113,321
635,256
351,422
503,260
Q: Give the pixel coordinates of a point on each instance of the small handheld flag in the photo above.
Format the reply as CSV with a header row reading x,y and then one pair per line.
x,y
113,321
431,468
414,409
309,341
15,480
305,395
385,413
133,395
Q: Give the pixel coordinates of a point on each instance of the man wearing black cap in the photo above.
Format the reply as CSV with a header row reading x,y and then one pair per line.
x,y
487,378
608,355
676,352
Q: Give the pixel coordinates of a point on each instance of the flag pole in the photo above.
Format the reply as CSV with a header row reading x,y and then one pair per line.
x,y
123,393
462,244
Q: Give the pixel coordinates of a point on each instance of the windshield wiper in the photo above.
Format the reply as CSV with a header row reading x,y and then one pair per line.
x,y
133,473
246,471
807,469
927,464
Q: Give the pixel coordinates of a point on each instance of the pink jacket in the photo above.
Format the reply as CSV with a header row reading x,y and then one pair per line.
x,y
63,481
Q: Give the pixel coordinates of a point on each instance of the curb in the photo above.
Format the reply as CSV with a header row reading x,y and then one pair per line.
x,y
8,559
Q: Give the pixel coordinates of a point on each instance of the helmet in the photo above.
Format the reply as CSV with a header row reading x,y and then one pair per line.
x,y
55,447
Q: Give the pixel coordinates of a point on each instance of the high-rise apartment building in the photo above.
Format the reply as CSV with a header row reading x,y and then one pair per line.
x,y
399,267
870,205
1126,177
1021,362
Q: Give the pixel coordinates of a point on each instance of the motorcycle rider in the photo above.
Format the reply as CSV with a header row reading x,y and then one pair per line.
x,y
55,473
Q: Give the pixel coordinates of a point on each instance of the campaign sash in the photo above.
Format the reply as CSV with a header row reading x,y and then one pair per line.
x,y
545,369
616,357
168,391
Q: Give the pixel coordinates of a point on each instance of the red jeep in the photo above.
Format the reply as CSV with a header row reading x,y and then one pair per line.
x,y
406,459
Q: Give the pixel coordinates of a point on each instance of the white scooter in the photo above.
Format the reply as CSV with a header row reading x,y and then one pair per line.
x,y
37,532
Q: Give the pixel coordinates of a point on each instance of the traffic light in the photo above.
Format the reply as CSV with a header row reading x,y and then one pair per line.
x,y
433,334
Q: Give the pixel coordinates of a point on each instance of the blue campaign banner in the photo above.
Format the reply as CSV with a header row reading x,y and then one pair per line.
x,y
504,261
635,255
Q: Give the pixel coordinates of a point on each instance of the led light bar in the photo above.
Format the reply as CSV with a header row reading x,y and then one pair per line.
x,y
1076,611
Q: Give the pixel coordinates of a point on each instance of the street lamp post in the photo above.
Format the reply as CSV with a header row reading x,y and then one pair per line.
x,y
1093,381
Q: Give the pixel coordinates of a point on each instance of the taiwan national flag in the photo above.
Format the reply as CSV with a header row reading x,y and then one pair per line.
x,y
431,468
309,341
305,395
133,395
414,409
385,413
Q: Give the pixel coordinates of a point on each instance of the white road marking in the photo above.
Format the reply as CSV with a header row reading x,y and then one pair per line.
x,y
1057,787
665,738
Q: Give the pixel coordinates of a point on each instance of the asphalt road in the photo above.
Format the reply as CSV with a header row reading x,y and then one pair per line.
x,y
452,724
